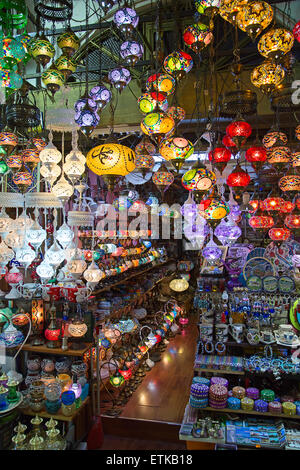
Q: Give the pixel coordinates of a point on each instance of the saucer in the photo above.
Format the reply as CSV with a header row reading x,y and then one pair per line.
x,y
280,340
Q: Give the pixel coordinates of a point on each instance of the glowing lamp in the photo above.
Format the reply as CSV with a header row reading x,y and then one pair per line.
x,y
157,125
197,36
179,285
296,31
207,7
213,209
53,79
62,189
176,149
162,178
126,373
116,380
178,63
279,156
290,183
144,162
261,222
275,43
279,234
42,50
68,42
220,156
199,180
161,82
13,276
238,180
229,144
131,52
147,102
273,204
254,17
274,137
292,221
256,156
93,274
287,207
77,328
239,131
229,9
267,76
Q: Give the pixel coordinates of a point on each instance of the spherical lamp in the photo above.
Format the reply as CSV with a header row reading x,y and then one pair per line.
x,y
238,180
254,17
53,79
66,65
101,95
131,52
199,180
219,157
229,9
275,43
176,149
267,76
68,42
157,125
126,20
178,63
197,36
239,131
42,50
161,82
256,156
119,77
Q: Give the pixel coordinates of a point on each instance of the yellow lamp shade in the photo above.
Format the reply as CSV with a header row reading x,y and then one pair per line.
x,y
254,18
230,8
179,285
267,76
111,159
275,43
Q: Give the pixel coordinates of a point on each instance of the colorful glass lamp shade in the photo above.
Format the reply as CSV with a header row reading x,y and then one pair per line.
x,y
101,95
279,156
23,179
176,149
292,221
8,142
275,43
213,210
179,285
131,52
162,179
267,76
177,113
254,17
261,222
68,42
12,52
279,234
161,82
229,9
178,63
11,337
30,157
14,162
53,79
126,20
208,7
87,119
295,161
10,79
42,50
144,163
197,36
219,157
256,156
148,102
296,31
199,180
66,65
239,131
238,180
229,144
290,183
157,125
119,77
116,380
274,137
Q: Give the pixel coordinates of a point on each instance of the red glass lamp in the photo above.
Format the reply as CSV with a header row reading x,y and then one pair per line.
x,y
279,234
292,221
296,31
261,222
239,131
220,156
126,373
287,207
52,333
273,204
228,142
238,180
256,156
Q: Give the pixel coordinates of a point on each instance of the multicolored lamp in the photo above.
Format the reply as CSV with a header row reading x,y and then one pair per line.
x,y
66,65
119,77
229,9
157,125
197,36
150,101
176,149
275,43
279,234
199,180
213,209
8,141
178,63
254,17
23,179
279,156
274,137
267,76
177,113
162,179
230,144
208,7
42,50
161,82
12,52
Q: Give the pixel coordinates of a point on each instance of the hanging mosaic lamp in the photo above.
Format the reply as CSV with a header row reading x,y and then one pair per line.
x,y
148,102
101,95
213,209
50,172
23,179
25,255
145,146
279,156
290,182
10,79
219,157
197,36
107,5
111,160
68,42
296,31
53,79
227,232
292,221
8,141
87,120
85,100
64,235
229,144
178,63
256,156
287,207
93,274
239,131
30,158
54,255
279,234
119,77
274,137
12,52
254,17
131,52
208,7
66,65
176,149
157,125
275,43
238,180
297,132
126,20
161,82
144,163
267,76
39,143
177,113
273,204
162,179
260,221
62,189
229,9
295,161
14,162
42,50
199,180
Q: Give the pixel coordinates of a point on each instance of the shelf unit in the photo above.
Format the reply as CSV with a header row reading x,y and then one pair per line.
x,y
57,351
255,413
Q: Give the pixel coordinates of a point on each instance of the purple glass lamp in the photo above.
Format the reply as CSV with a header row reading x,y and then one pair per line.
x,y
101,95
87,120
119,77
131,52
126,20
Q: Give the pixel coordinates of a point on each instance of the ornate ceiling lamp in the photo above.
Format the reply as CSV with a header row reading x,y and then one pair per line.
x,y
41,50
31,158
273,204
261,222
219,157
176,149
229,143
144,163
296,31
213,209
238,180
239,131
275,43
292,221
126,20
267,76
107,5
296,161
68,42
229,9
178,63
199,180
157,125
101,95
161,82
279,234
12,52
119,77
256,156
66,65
274,137
131,52
209,8
145,146
8,141
53,79
290,182
177,113
14,162
23,179
162,179
279,156
148,102
197,37
254,17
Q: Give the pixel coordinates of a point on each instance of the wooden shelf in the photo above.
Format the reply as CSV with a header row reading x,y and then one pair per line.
x,y
267,414
220,371
57,351
58,416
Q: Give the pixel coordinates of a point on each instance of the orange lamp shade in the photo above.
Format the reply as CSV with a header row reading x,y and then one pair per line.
x,y
111,159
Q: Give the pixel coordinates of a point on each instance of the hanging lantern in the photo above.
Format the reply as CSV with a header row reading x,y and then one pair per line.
x,y
176,149
66,65
147,102
287,207
256,156
14,162
68,42
262,222
25,255
12,52
208,7
30,157
131,52
126,20
62,189
42,50
23,179
179,285
76,265
157,124
54,255
116,380
145,146
238,180
144,163
279,234
178,63
93,274
295,161
292,221
39,143
84,101
279,156
254,17
53,79
35,235
111,160
177,113
289,183
50,172
161,82
296,31
101,95
297,132
227,232
162,178
10,79
199,180
267,76
197,37
50,154
229,9
74,168
3,168
274,137
239,131
228,142
213,210
220,156
273,204
8,142
275,43
87,120
119,77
